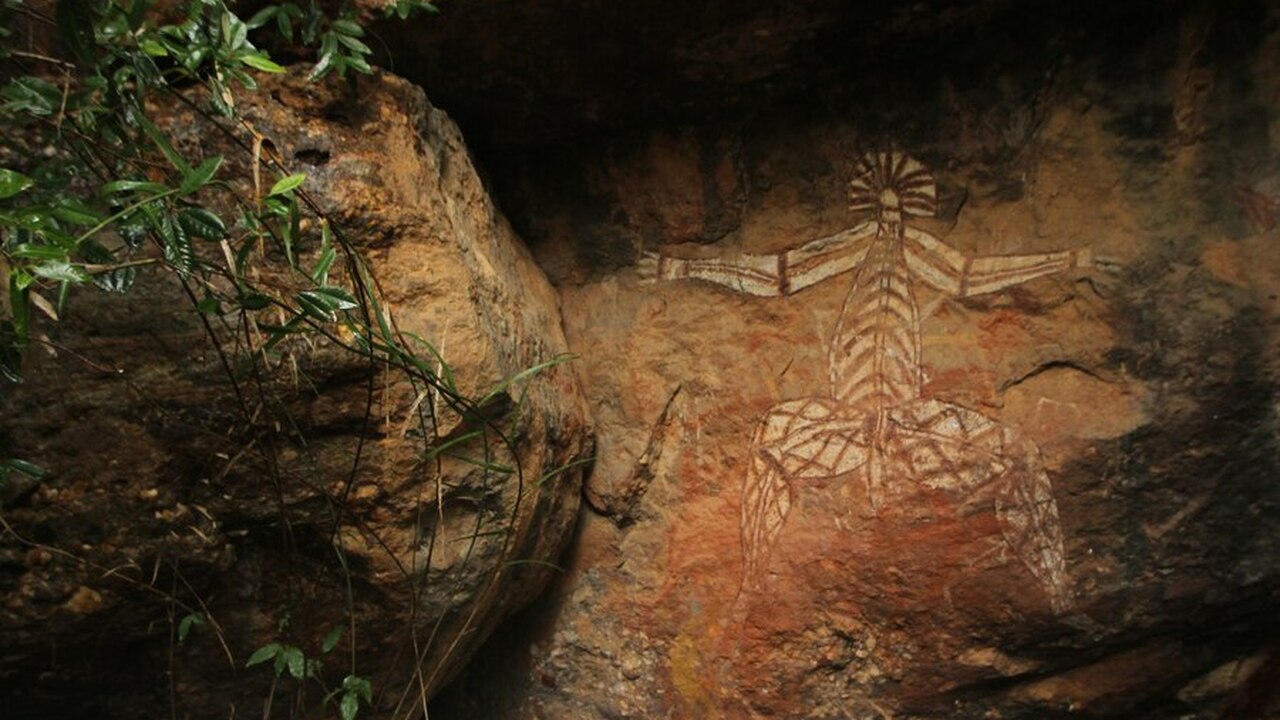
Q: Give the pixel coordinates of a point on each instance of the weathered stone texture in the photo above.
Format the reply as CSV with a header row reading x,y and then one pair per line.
x,y
159,486
1119,411
1147,392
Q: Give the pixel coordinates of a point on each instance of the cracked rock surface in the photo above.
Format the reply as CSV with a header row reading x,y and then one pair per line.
x,y
1146,386
163,499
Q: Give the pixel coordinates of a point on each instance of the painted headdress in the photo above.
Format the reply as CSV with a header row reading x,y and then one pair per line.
x,y
891,183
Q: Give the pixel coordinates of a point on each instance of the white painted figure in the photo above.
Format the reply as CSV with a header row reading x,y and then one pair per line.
x,y
875,425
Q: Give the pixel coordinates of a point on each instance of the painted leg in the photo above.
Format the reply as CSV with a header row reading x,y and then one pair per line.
x,y
947,447
797,440
942,447
1028,516
766,500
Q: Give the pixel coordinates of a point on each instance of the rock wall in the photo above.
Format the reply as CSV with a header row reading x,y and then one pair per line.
x,y
930,350
163,498
993,435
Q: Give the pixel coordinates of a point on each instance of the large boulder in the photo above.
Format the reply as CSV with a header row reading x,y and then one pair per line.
x,y
309,494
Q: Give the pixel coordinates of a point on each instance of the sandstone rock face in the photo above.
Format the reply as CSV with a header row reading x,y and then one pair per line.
x,y
931,348
1001,444
162,498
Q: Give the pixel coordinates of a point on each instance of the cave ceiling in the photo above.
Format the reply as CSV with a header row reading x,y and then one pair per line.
x,y
523,76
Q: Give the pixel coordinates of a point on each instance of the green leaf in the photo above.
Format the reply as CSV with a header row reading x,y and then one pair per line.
x,y
286,240
161,142
201,175
263,16
442,368
19,280
120,186
218,95
521,376
115,281
195,58
318,309
349,706
263,654
12,183
310,24
56,236
189,621
277,205
26,468
285,27
245,78
277,333
548,475
320,273
133,228
238,36
297,662
331,640
358,64
201,223
349,28
359,685
242,256
209,306
31,95
64,292
35,218
154,48
261,62
60,271
404,8
323,67
19,305
254,301
324,302
75,212
292,230
355,44
284,185
177,245
28,251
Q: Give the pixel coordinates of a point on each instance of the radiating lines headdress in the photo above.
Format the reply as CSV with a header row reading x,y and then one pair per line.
x,y
893,181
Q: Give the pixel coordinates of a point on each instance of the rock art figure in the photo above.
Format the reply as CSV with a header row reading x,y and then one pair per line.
x,y
875,427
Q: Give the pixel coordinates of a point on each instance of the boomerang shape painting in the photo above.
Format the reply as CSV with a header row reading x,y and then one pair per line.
x,y
875,427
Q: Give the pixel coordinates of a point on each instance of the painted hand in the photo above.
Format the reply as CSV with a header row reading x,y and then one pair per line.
x,y
648,265
1100,271
653,266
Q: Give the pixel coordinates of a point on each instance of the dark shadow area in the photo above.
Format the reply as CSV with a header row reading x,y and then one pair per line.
x,y
498,678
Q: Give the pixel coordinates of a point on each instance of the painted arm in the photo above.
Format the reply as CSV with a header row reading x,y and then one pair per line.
x,y
769,275
944,268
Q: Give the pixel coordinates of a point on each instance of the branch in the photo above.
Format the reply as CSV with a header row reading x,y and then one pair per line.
x,y
43,58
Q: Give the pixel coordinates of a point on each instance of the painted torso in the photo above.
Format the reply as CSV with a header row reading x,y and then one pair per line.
x,y
875,350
